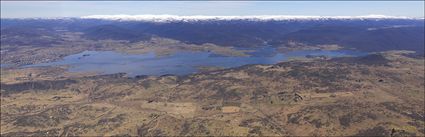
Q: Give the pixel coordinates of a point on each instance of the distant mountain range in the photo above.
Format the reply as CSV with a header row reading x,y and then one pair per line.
x,y
174,18
367,33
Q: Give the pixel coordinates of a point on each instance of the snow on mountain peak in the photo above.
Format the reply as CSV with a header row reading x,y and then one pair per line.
x,y
169,18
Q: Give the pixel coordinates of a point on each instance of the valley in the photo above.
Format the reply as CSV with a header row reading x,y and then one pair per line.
x,y
212,77
321,97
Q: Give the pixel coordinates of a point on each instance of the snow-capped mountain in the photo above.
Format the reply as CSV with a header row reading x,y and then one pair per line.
x,y
171,18
369,33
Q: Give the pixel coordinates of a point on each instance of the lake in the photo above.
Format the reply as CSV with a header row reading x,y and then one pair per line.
x,y
180,63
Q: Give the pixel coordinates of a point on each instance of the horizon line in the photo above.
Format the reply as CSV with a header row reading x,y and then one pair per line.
x,y
169,17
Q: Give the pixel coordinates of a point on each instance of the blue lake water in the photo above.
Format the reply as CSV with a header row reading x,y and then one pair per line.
x,y
180,63
4,65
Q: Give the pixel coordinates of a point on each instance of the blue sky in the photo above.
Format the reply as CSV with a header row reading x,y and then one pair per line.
x,y
15,9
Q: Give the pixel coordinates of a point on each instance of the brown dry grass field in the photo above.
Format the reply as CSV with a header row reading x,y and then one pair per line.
x,y
380,94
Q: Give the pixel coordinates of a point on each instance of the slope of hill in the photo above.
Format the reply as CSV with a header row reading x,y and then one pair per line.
x,y
368,34
375,95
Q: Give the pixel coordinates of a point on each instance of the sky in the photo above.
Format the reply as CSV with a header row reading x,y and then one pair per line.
x,y
20,9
